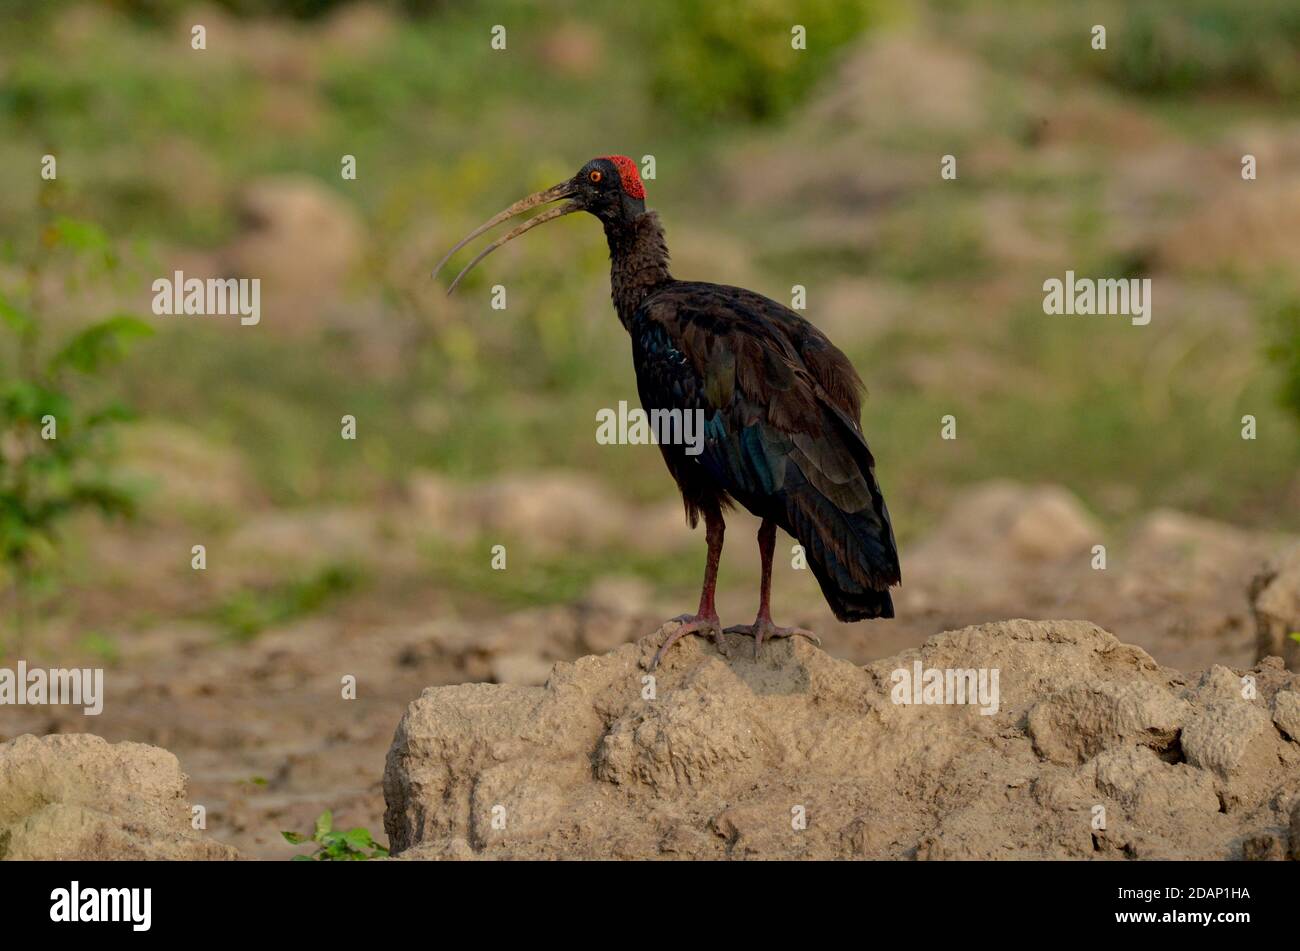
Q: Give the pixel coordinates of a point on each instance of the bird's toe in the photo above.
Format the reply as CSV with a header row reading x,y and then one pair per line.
x,y
762,630
689,624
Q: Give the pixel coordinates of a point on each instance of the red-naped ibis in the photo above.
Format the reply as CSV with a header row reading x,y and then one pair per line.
x,y
781,406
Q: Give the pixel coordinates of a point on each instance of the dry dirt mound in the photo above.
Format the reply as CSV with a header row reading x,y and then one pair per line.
x,y
79,797
1253,230
1275,599
798,754
1176,585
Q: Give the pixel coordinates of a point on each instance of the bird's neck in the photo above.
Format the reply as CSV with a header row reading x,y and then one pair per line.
x,y
638,257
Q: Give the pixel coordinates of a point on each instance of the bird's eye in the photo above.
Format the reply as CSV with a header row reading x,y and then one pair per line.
x,y
594,176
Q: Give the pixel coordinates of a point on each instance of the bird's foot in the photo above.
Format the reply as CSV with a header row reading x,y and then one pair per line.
x,y
763,628
690,624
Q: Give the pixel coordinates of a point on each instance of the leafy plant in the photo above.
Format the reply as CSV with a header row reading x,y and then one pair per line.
x,y
333,846
55,443
1282,327
1183,47
733,58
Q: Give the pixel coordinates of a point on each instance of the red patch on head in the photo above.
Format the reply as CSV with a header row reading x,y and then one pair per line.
x,y
627,175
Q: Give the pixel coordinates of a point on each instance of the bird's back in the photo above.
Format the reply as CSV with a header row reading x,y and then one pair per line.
x,y
720,309
782,432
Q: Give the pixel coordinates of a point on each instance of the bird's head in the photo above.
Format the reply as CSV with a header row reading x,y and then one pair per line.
x,y
608,187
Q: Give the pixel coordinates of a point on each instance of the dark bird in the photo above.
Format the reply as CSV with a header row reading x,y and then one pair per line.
x,y
780,404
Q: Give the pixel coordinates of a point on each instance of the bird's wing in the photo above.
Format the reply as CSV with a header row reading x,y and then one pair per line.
x,y
780,402
825,363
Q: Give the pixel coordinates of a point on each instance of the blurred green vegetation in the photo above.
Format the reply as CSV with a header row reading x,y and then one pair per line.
x,y
924,240
736,59
1179,47
1176,49
247,612
155,142
56,446
1281,317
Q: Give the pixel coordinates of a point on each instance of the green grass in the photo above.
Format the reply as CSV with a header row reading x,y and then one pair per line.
x,y
447,132
247,612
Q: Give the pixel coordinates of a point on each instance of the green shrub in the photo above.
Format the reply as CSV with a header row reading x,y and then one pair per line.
x,y
1177,47
733,58
1282,329
55,446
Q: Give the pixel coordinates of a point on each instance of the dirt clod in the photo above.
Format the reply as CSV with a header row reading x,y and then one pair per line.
x,y
1093,750
80,797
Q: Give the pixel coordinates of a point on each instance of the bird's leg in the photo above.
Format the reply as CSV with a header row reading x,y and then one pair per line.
x,y
705,620
763,626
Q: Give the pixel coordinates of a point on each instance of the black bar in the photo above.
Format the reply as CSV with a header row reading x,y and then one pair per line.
x,y
349,901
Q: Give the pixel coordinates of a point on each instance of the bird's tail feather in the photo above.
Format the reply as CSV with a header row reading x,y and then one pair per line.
x,y
852,554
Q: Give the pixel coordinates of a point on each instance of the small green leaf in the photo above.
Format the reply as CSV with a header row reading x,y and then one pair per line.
x,y
358,838
324,823
294,838
1294,635
301,858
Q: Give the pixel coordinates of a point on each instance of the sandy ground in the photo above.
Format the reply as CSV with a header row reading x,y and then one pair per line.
x,y
1061,743
268,740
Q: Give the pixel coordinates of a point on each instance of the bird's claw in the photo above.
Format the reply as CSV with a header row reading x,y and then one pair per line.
x,y
763,629
691,624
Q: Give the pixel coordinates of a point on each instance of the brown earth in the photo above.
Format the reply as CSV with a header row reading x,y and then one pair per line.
x,y
269,742
1094,751
78,797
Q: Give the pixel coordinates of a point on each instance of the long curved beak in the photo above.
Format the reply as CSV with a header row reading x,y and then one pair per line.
x,y
554,193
